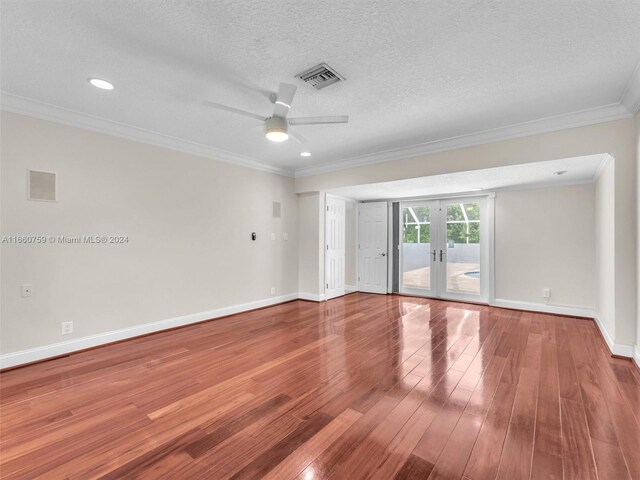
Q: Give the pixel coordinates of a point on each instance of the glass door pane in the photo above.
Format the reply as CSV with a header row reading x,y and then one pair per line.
x,y
416,249
462,271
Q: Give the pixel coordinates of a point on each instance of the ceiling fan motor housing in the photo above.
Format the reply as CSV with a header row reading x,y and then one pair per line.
x,y
277,124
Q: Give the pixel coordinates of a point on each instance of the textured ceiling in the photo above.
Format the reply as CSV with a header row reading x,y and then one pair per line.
x,y
417,71
529,175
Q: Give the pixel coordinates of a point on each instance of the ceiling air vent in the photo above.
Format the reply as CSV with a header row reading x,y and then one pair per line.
x,y
321,76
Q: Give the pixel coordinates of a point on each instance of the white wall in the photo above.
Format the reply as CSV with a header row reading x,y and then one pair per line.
x,y
544,238
188,220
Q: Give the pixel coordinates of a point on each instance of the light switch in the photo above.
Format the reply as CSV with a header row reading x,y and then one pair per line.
x,y
273,236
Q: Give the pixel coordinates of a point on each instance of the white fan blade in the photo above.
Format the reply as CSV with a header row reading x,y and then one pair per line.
x,y
237,111
319,120
284,99
298,137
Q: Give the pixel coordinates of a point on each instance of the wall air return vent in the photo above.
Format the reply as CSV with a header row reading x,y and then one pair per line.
x,y
321,76
41,186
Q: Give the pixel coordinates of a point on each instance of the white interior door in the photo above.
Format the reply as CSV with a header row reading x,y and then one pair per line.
x,y
372,247
335,251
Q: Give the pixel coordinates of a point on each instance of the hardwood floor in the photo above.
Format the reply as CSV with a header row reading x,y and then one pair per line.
x,y
363,386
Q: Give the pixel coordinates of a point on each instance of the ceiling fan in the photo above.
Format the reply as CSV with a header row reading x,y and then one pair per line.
x,y
277,125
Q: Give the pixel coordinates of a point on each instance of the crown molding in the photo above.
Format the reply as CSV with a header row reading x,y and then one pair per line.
x,y
605,113
603,163
628,106
45,111
630,97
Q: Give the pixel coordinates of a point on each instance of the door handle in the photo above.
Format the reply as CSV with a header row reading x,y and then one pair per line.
x,y
383,254
434,254
442,254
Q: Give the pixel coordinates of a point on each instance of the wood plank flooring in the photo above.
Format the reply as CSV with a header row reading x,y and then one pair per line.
x,y
364,386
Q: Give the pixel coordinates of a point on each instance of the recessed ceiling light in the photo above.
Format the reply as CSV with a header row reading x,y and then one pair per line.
x,y
305,154
99,83
560,172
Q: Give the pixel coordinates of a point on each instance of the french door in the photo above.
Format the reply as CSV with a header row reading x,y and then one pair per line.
x,y
444,248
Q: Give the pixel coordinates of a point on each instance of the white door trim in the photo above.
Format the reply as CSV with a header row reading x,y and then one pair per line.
x,y
390,252
357,220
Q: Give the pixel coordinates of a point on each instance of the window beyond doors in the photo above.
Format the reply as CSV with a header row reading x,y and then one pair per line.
x,y
463,248
416,245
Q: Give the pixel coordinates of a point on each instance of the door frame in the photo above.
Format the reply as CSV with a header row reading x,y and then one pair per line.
x,y
487,225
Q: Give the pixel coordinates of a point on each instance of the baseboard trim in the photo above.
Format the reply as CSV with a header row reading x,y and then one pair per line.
x,y
46,352
350,289
616,349
37,354
311,297
544,308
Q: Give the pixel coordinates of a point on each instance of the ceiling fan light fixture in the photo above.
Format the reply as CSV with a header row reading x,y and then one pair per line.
x,y
277,135
277,129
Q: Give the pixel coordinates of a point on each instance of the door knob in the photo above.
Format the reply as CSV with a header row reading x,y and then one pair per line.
x,y
384,254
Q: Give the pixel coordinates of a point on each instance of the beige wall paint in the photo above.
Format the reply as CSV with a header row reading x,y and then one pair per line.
x,y
181,238
637,137
617,138
544,238
605,245
310,240
188,220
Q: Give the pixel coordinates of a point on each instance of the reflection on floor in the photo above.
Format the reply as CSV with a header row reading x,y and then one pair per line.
x,y
363,386
458,279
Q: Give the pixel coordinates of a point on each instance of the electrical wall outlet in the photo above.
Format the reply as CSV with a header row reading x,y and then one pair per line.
x,y
67,328
546,293
273,236
26,290
273,291
285,236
